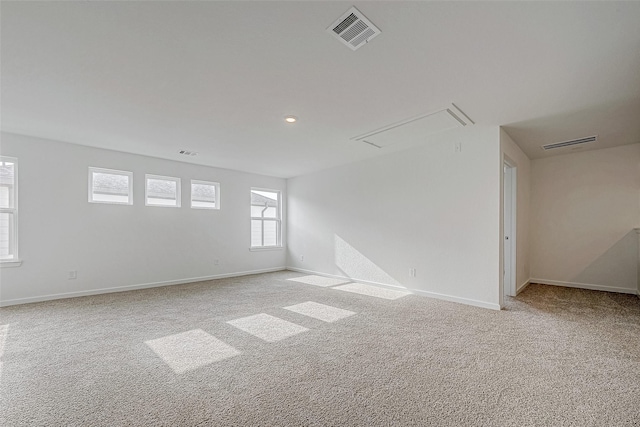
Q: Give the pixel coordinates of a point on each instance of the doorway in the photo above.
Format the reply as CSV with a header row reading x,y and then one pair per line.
x,y
509,229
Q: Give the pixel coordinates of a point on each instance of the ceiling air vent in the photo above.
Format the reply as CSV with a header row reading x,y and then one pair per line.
x,y
187,153
571,143
353,29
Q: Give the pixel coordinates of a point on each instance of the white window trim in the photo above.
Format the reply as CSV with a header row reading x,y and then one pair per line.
x,y
278,220
7,263
215,184
266,248
164,178
15,260
113,172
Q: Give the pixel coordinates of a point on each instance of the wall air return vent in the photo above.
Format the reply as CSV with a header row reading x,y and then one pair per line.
x,y
187,153
572,143
353,29
416,130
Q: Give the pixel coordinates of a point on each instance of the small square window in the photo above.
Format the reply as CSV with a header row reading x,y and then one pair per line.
x,y
110,186
162,191
205,195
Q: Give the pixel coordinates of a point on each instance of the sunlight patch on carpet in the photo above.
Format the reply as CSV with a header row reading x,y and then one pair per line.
x,y
266,327
326,313
372,291
4,331
319,281
190,350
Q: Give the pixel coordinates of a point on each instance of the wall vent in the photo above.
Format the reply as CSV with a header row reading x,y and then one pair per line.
x,y
187,153
353,29
573,142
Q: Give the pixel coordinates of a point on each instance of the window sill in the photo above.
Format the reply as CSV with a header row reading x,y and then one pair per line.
x,y
266,248
10,263
111,203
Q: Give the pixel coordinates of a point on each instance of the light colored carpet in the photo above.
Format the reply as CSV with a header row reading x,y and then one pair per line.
x,y
168,357
318,280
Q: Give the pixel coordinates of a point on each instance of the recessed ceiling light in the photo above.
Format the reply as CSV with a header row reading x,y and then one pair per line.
x,y
290,119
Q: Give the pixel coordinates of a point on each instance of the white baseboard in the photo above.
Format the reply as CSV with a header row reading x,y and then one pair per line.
x,y
133,287
523,286
429,294
460,300
584,286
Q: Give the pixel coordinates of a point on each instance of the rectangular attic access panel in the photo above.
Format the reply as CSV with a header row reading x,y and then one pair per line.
x,y
414,130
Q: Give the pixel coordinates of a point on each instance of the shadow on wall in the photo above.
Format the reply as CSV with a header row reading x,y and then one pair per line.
x,y
356,266
617,267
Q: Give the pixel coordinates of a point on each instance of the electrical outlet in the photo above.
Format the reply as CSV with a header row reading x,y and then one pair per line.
x,y
73,274
216,262
301,257
412,272
458,147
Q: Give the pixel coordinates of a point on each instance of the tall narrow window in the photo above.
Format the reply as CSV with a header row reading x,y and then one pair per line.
x,y
8,209
265,218
110,186
162,191
205,195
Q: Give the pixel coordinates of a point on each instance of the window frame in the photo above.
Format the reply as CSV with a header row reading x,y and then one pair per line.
x,y
14,261
128,174
217,200
277,220
178,182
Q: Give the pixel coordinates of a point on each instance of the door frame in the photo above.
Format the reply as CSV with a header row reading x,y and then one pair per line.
x,y
510,172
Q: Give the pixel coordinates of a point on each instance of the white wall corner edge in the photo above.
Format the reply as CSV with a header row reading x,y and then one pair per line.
x,y
523,286
444,297
587,286
126,288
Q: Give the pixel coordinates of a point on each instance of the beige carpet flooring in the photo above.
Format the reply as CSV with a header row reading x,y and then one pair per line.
x,y
266,351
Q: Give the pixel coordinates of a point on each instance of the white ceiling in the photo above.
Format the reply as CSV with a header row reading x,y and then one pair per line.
x,y
218,77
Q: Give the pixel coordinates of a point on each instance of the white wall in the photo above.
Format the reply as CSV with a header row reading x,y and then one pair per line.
x,y
517,158
114,246
584,207
427,208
